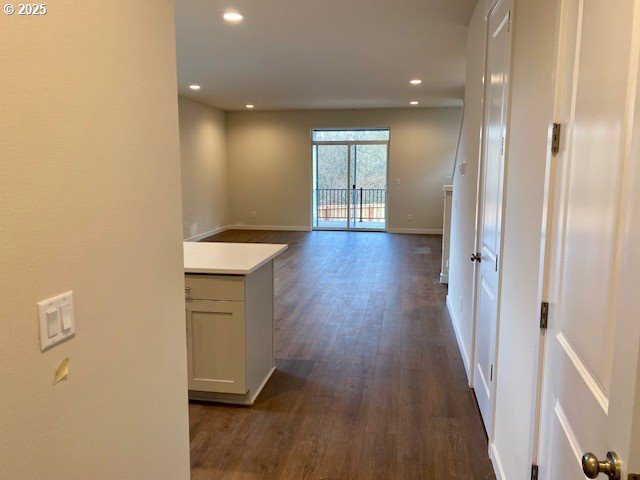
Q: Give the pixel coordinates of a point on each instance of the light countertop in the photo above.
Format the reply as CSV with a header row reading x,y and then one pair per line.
x,y
221,258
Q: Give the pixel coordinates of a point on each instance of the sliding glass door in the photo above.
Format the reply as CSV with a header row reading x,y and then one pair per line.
x,y
350,179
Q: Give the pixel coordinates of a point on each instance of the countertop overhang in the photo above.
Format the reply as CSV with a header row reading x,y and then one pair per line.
x,y
221,258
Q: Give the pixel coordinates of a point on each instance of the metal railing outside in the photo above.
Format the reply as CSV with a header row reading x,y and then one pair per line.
x,y
356,204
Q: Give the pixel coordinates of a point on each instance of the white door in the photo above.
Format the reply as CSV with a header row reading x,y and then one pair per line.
x,y
594,273
490,208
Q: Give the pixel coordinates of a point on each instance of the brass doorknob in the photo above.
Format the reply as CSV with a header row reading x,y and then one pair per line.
x,y
592,467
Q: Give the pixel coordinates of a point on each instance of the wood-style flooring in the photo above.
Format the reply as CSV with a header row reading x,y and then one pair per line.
x,y
369,382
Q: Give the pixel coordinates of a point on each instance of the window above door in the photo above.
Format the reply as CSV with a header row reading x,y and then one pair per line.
x,y
362,135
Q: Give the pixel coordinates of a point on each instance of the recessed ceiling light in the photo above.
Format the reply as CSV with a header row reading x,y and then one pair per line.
x,y
231,16
250,106
414,103
415,81
194,87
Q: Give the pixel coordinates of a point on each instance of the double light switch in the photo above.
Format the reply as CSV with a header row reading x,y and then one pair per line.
x,y
56,320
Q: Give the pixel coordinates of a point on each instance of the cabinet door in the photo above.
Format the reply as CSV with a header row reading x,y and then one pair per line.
x,y
216,346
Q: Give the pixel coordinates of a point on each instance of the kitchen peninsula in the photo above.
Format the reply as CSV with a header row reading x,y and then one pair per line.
x,y
229,319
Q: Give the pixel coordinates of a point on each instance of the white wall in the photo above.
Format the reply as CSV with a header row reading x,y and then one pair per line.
x,y
203,158
530,116
465,186
270,162
90,195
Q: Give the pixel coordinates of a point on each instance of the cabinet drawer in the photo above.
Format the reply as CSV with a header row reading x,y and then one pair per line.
x,y
214,287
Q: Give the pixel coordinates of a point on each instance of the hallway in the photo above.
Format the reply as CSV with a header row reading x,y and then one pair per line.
x,y
369,381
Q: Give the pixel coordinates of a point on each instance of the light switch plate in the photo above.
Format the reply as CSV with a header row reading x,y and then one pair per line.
x,y
57,320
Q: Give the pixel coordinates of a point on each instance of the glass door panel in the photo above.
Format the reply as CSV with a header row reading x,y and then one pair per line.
x,y
331,192
368,182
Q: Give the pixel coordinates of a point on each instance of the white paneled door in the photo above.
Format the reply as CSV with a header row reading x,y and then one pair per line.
x,y
490,207
592,341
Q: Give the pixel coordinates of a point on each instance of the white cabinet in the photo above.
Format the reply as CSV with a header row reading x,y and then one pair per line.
x,y
229,321
216,346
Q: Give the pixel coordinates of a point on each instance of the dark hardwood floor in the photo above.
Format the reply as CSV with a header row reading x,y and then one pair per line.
x,y
369,381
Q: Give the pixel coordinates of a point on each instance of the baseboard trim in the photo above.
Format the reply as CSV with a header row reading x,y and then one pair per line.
x,y
248,398
261,386
456,329
297,228
200,236
416,231
284,228
497,464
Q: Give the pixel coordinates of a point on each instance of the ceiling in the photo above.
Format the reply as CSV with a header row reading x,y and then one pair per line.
x,y
297,54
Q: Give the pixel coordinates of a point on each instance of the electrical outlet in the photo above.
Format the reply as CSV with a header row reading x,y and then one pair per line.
x,y
410,217
397,181
254,214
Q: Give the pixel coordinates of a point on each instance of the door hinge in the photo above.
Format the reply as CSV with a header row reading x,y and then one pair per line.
x,y
544,315
534,472
491,374
555,139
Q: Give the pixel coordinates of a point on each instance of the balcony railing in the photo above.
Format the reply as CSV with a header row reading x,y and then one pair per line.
x,y
356,204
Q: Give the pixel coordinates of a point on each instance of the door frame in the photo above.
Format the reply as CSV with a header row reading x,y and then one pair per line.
x,y
348,144
478,214
552,170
